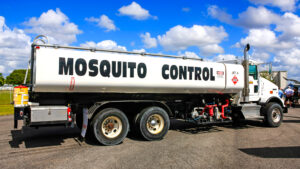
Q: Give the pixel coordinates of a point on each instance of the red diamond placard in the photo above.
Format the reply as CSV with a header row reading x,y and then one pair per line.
x,y
235,79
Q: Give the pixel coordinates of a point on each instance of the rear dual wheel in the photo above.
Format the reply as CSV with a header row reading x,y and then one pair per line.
x,y
110,126
152,123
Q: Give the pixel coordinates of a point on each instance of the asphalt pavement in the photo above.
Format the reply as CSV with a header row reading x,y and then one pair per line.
x,y
185,146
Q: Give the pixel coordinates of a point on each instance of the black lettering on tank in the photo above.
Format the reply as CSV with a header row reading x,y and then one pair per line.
x,y
116,69
124,69
212,77
205,74
142,70
131,66
93,67
66,69
174,72
182,72
163,71
80,67
105,68
197,73
191,70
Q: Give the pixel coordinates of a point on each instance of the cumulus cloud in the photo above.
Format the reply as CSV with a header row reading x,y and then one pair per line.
x,y
206,38
106,44
55,25
135,11
251,18
289,24
217,13
148,41
14,48
103,22
189,54
257,17
284,5
222,57
288,60
2,68
264,39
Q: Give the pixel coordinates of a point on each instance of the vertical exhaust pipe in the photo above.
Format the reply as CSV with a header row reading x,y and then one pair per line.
x,y
246,74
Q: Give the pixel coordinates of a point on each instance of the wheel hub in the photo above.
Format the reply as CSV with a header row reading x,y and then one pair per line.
x,y
155,124
111,127
276,116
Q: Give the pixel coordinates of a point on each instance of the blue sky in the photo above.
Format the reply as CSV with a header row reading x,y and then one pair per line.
x,y
211,29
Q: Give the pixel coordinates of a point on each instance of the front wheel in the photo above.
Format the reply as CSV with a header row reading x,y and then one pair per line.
x,y
153,123
273,114
110,126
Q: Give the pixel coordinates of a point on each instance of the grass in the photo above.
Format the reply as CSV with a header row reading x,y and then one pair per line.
x,y
5,107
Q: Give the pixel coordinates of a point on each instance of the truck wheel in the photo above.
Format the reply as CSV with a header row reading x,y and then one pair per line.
x,y
110,126
153,123
273,116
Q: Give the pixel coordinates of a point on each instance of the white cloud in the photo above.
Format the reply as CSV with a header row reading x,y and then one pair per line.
x,y
106,44
264,39
186,9
259,17
135,11
289,24
284,5
148,41
12,63
206,38
288,60
2,68
219,14
139,50
189,54
289,57
207,50
223,57
103,22
14,48
55,25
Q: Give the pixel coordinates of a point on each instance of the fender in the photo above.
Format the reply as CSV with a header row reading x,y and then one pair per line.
x,y
277,100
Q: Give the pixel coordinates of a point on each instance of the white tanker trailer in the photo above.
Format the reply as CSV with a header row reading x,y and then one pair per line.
x,y
107,93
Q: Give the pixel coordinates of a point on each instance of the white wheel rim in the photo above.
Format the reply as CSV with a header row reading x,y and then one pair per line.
x,y
276,116
111,127
155,123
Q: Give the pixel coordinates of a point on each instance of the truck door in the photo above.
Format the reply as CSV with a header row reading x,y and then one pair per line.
x,y
253,83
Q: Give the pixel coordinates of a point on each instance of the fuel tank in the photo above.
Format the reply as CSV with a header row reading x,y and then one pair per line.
x,y
83,71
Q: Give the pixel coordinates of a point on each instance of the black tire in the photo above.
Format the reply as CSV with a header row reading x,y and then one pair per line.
x,y
156,114
109,115
273,114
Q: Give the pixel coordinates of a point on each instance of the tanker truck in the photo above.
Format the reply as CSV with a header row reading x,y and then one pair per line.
x,y
108,93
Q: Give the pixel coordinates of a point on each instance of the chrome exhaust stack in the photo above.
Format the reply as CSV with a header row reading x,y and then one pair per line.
x,y
246,74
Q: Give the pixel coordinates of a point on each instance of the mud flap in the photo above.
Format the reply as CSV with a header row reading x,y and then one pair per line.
x,y
84,122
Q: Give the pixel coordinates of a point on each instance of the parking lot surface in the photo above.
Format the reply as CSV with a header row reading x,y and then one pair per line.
x,y
185,146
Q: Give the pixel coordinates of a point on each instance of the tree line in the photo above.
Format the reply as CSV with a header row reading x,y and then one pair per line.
x,y
15,78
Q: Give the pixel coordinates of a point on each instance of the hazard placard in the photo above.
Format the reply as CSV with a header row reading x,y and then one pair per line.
x,y
235,79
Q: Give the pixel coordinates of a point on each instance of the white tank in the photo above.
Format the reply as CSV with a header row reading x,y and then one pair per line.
x,y
77,71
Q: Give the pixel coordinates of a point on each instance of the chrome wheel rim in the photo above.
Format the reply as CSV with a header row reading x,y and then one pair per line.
x,y
155,123
276,115
111,127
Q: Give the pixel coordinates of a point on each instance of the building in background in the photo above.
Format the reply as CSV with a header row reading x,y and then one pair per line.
x,y
278,78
